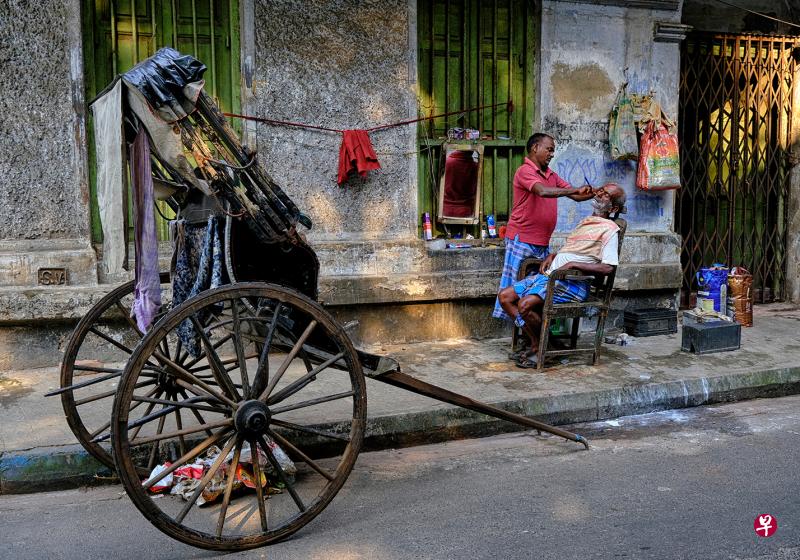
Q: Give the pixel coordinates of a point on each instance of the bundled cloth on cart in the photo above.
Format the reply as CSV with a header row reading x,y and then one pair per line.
x,y
197,266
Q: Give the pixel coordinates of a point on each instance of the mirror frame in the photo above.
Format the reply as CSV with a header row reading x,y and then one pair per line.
x,y
461,146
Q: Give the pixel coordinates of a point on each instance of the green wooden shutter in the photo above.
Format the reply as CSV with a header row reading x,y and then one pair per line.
x,y
120,33
474,53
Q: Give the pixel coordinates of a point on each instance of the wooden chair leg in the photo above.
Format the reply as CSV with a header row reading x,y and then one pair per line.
x,y
543,339
514,337
598,335
573,339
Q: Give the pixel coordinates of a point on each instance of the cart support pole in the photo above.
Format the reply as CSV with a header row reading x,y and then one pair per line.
x,y
414,385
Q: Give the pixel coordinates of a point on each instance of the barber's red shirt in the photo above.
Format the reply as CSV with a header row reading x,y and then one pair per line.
x,y
533,217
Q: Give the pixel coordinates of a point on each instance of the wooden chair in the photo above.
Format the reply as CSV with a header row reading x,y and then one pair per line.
x,y
599,299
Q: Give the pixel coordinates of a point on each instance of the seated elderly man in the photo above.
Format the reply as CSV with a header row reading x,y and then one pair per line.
x,y
590,248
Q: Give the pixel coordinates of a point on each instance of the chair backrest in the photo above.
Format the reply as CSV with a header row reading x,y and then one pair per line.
x,y
604,284
623,226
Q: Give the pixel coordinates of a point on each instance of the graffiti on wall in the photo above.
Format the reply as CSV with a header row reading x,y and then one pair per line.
x,y
580,165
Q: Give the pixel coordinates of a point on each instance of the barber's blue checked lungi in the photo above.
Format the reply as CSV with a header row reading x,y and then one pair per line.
x,y
516,252
566,291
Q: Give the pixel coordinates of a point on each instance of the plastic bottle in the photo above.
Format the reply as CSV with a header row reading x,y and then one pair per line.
x,y
427,227
490,224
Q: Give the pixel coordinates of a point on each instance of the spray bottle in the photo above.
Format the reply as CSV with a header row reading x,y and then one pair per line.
x,y
491,225
427,227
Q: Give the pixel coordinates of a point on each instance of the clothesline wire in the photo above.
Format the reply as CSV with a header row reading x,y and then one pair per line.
x,y
508,104
758,13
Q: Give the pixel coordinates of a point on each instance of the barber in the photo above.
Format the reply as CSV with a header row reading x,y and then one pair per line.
x,y
535,210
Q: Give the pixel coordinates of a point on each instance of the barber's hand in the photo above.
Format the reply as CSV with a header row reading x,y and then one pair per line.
x,y
585,189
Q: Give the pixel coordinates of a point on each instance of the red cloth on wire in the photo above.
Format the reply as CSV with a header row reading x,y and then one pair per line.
x,y
356,155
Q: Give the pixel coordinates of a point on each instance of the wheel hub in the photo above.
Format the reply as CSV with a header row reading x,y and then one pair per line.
x,y
167,381
252,418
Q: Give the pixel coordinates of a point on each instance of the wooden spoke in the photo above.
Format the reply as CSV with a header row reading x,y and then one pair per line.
x,y
255,461
184,432
127,314
281,475
288,360
180,353
165,349
111,341
96,369
206,479
117,373
226,498
261,376
195,390
216,345
306,459
100,430
189,403
168,407
295,386
183,374
107,425
226,362
151,463
107,394
308,430
223,380
312,402
179,425
197,415
147,411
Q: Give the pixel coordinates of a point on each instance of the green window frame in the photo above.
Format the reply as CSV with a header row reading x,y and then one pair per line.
x,y
120,33
474,53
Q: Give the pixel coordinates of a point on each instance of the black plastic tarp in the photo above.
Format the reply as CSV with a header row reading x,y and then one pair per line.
x,y
162,77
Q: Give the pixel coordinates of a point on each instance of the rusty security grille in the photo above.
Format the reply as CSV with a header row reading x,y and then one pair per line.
x,y
735,128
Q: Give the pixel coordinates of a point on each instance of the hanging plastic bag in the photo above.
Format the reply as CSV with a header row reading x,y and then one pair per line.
x,y
622,129
659,159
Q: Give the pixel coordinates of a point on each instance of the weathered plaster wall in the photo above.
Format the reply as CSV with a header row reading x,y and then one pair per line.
x,y
44,192
340,64
587,52
44,200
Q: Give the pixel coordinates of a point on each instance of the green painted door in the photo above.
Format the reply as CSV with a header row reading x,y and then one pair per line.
x,y
120,33
474,53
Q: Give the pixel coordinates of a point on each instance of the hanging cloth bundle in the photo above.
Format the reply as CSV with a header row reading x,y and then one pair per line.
x,y
356,155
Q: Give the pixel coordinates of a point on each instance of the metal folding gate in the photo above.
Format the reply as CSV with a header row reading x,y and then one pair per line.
x,y
735,131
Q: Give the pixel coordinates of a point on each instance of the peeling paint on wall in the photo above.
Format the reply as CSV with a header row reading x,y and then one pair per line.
x,y
584,86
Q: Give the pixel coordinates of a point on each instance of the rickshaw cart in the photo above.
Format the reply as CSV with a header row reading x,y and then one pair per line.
x,y
239,414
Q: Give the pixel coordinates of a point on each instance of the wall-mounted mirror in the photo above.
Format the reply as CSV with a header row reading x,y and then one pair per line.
x,y
460,185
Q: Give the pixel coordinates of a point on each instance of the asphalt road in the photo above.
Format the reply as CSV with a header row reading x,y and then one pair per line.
x,y
681,484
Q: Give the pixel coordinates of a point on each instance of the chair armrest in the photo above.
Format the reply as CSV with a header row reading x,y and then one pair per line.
x,y
570,275
526,265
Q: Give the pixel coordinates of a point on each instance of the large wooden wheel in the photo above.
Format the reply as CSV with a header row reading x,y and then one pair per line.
x,y
275,373
93,362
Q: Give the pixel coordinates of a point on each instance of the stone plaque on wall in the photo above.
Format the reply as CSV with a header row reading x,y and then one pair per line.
x,y
52,276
